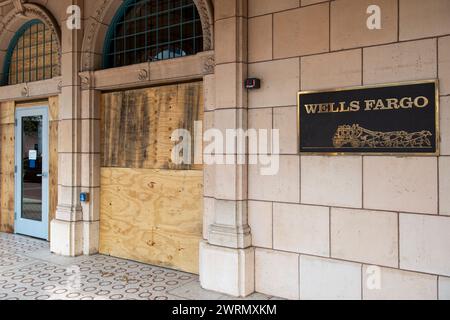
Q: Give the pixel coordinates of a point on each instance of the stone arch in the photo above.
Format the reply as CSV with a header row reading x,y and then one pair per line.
x,y
97,27
205,10
14,20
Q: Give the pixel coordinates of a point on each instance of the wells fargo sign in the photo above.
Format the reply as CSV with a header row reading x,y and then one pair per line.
x,y
395,119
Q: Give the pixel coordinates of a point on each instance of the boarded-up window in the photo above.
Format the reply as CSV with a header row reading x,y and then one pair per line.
x,y
151,208
137,125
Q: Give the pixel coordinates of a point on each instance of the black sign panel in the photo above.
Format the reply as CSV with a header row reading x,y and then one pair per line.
x,y
394,119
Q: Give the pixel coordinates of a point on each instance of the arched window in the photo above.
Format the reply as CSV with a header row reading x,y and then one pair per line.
x,y
152,30
32,55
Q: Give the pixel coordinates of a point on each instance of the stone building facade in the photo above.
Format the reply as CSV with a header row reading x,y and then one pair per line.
x,y
321,228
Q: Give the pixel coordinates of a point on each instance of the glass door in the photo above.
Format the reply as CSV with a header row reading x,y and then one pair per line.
x,y
31,180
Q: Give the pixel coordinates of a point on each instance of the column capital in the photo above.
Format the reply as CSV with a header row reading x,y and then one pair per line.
x,y
87,80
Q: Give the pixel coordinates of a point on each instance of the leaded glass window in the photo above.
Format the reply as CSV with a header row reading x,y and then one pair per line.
x,y
153,30
33,55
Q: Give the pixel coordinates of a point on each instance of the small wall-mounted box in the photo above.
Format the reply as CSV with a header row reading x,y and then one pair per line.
x,y
253,83
84,197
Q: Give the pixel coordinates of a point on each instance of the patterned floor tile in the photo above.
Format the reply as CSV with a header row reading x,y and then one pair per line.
x,y
28,271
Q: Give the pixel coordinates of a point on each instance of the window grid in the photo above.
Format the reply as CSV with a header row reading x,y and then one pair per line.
x,y
33,56
152,30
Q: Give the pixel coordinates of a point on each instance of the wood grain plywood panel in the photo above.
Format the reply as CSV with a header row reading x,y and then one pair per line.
x,y
7,112
7,177
152,216
53,169
53,108
137,125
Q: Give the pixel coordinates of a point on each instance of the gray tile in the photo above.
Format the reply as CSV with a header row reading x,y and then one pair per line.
x,y
255,296
46,255
278,299
193,291
11,261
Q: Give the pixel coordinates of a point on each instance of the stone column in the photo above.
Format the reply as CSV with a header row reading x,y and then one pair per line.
x,y
67,229
227,258
90,156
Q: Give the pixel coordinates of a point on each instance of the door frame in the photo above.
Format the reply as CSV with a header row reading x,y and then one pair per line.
x,y
24,226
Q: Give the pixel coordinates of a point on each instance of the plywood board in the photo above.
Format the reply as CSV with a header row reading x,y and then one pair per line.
x,y
7,220
137,125
7,177
7,112
53,111
53,169
53,108
31,103
152,216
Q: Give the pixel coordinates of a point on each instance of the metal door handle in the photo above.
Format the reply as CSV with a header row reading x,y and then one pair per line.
x,y
43,175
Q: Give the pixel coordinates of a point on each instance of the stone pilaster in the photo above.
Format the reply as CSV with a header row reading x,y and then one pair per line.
x,y
227,258
67,228
91,157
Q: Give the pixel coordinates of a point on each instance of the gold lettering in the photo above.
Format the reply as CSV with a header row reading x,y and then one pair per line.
x,y
380,105
324,108
369,104
311,108
344,107
355,106
424,104
334,108
408,104
392,104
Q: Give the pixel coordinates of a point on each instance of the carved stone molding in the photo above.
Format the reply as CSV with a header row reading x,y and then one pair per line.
x,y
31,90
143,75
91,35
209,64
105,10
25,92
18,5
205,10
87,80
14,20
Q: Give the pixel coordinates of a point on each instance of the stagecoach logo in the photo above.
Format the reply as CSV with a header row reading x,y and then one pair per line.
x,y
358,137
397,119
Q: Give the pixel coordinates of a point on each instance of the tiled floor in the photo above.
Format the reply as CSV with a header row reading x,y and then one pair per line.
x,y
28,271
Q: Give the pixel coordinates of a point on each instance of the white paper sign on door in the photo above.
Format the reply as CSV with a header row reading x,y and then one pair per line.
x,y
32,155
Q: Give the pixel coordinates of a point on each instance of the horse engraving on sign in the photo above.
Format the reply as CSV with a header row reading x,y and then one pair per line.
x,y
358,137
389,119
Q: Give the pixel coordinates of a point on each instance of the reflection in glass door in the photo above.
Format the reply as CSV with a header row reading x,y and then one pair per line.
x,y
31,204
